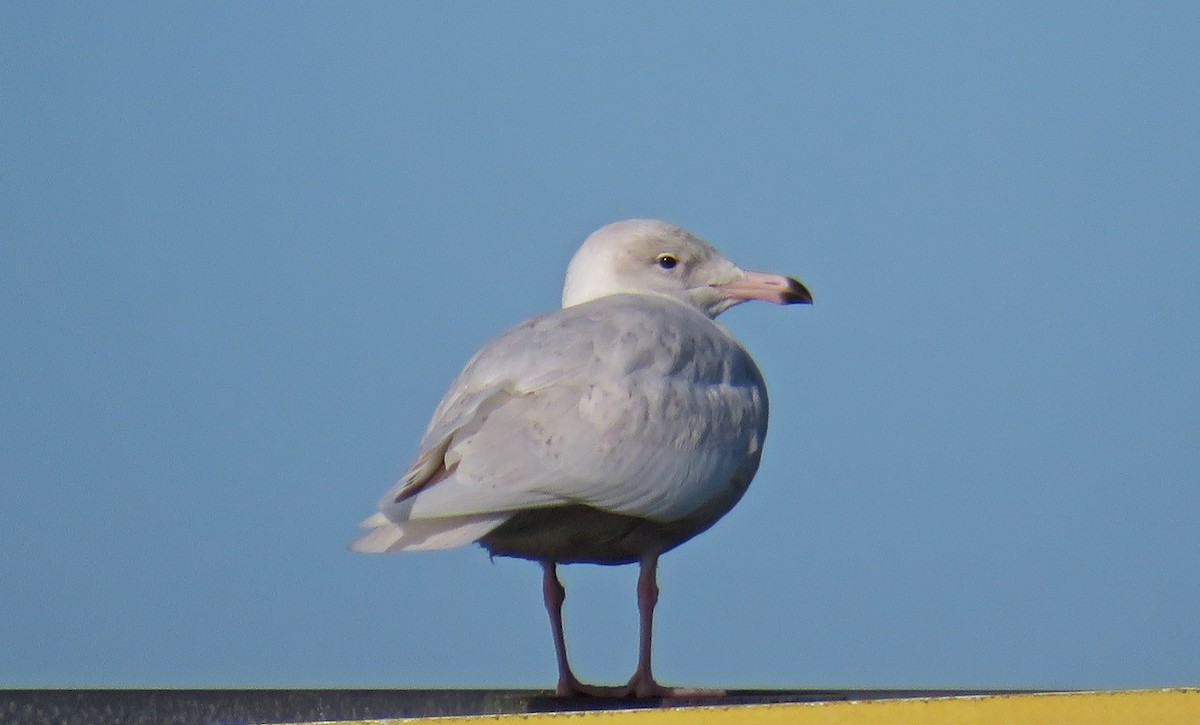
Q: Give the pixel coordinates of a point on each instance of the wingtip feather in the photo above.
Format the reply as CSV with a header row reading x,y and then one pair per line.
x,y
423,534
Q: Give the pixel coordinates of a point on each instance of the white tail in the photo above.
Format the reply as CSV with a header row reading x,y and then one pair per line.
x,y
424,534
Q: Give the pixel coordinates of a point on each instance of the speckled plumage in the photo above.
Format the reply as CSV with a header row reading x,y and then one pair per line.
x,y
609,431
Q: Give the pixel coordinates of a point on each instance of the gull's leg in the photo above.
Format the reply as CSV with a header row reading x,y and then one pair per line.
x,y
642,684
554,595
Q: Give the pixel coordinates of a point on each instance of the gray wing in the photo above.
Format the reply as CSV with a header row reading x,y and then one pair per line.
x,y
629,404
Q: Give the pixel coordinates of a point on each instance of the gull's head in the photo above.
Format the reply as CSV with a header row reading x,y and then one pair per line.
x,y
645,256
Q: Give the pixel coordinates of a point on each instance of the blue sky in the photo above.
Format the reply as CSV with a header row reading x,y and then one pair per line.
x,y
244,247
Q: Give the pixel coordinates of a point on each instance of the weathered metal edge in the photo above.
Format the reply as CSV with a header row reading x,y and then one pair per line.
x,y
194,706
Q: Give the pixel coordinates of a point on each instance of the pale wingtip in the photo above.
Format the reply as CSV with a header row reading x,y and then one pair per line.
x,y
387,536
382,538
374,521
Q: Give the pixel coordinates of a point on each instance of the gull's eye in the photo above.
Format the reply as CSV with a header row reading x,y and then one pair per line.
x,y
667,261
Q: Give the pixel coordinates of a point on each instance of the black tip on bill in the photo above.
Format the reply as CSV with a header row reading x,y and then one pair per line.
x,y
796,293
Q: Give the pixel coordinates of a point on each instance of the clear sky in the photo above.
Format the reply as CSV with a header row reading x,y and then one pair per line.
x,y
244,247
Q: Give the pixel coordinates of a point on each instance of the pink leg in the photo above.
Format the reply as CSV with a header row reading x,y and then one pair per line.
x,y
642,684
554,595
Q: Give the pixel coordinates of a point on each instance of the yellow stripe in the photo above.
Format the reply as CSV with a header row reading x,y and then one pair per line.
x,y
1157,707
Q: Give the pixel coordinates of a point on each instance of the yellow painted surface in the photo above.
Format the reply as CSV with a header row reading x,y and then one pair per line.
x,y
1159,707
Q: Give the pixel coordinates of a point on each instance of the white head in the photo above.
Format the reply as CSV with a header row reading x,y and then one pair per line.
x,y
645,256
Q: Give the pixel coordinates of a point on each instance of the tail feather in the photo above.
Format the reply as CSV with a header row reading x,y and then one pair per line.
x,y
447,532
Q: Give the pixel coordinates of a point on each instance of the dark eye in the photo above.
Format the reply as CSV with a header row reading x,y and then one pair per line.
x,y
667,261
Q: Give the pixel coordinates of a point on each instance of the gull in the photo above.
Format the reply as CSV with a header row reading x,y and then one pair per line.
x,y
606,432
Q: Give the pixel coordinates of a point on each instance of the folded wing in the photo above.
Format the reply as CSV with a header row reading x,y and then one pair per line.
x,y
629,404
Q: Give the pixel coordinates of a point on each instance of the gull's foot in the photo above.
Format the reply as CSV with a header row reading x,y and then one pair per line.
x,y
637,687
644,686
571,687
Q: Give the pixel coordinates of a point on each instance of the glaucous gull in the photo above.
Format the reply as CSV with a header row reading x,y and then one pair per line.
x,y
607,432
